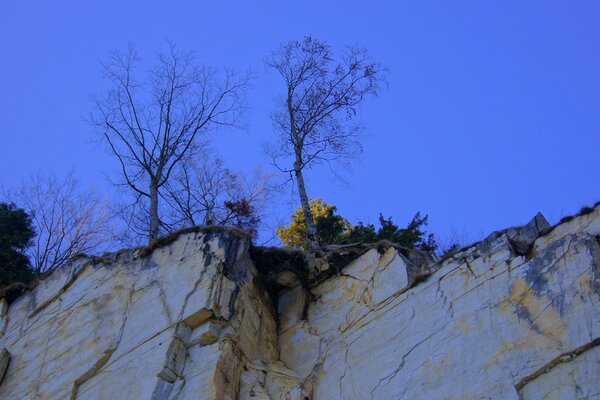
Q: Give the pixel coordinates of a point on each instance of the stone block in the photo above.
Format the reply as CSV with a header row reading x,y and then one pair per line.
x,y
163,390
183,332
174,361
205,335
197,318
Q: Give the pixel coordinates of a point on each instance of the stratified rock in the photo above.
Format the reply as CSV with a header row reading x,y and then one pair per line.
x,y
202,314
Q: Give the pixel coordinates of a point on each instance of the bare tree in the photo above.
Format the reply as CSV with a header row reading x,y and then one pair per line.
x,y
315,117
150,123
204,191
67,219
199,188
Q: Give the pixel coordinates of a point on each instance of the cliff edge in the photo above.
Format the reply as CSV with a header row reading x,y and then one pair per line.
x,y
206,315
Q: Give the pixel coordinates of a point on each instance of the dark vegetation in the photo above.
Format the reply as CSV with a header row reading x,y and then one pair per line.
x,y
286,267
332,228
13,291
413,235
16,234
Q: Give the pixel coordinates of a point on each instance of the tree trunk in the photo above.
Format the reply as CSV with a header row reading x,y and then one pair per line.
x,y
312,239
154,221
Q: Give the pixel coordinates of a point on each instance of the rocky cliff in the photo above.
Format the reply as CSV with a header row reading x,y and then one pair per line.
x,y
203,315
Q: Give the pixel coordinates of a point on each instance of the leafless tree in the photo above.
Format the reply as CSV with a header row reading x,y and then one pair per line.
x,y
68,219
315,117
199,187
204,191
150,122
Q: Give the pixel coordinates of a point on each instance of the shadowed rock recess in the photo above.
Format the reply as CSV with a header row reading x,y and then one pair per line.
x,y
204,315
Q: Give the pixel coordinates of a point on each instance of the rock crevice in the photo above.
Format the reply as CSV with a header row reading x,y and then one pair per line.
x,y
203,314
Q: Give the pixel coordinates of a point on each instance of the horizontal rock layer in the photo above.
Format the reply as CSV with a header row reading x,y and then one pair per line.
x,y
516,316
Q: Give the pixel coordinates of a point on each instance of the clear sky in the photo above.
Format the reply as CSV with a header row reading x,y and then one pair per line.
x,y
492,111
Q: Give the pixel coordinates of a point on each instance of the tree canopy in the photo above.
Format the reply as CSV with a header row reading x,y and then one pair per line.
x,y
333,229
413,235
330,226
16,234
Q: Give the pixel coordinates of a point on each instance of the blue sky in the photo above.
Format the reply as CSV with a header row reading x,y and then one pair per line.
x,y
492,111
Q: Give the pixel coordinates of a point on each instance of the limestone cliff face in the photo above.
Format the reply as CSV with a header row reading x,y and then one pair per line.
x,y
204,316
181,322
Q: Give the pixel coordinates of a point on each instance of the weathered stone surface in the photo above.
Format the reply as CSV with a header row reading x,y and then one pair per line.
x,y
301,347
205,334
121,327
574,377
4,360
291,307
513,317
520,238
174,360
482,326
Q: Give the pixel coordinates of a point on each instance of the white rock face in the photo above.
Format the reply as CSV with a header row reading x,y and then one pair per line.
x,y
489,324
507,318
180,323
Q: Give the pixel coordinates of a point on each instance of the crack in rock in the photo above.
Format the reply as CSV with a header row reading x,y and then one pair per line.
x,y
561,359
